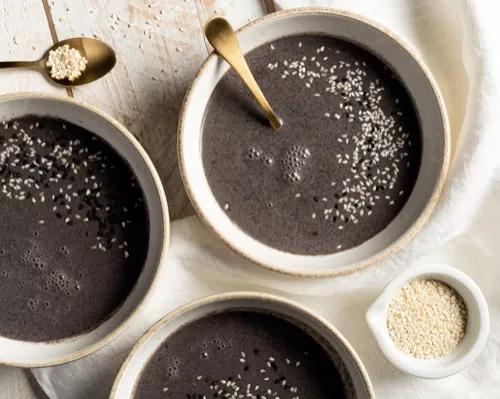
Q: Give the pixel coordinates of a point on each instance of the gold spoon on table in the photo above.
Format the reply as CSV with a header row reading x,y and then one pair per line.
x,y
101,59
221,36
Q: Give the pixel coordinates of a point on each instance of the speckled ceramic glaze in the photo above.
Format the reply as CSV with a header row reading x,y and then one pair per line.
x,y
38,354
430,112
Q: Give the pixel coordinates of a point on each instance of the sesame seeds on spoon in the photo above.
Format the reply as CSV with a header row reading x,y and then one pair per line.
x,y
72,62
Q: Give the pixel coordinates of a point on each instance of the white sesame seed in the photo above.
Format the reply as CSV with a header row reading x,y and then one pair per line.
x,y
427,319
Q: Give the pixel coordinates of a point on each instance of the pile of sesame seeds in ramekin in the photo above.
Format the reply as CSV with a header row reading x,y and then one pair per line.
x,y
427,319
431,321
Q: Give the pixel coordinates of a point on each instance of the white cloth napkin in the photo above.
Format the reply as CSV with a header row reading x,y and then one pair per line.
x,y
458,40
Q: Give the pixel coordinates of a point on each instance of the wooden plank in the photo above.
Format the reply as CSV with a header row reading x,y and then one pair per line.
x,y
25,36
238,12
158,55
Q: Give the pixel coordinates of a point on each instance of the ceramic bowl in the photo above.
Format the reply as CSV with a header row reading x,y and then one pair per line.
x,y
354,374
38,354
428,104
469,348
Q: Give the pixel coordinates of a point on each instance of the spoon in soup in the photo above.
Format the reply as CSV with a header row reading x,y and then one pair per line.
x,y
100,59
221,36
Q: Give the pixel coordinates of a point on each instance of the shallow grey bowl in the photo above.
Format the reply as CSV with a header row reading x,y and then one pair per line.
x,y
351,368
42,354
429,107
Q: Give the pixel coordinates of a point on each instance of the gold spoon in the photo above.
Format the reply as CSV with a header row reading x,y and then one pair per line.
x,y
221,36
101,59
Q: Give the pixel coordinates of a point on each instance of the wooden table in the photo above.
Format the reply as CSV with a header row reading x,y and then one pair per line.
x,y
160,45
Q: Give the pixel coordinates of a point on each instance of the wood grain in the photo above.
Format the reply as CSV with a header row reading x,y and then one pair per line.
x,y
145,90
25,36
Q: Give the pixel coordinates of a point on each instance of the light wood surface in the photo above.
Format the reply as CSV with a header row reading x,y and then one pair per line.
x,y
160,46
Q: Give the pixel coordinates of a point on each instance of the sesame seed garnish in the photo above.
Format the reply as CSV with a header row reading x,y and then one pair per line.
x,y
370,142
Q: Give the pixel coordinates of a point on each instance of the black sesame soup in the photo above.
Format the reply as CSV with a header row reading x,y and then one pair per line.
x,y
242,354
342,166
75,229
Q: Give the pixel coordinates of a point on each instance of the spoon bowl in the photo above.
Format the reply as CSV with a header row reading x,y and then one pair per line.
x,y
100,56
101,59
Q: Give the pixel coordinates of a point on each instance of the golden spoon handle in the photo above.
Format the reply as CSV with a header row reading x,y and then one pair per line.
x,y
221,36
19,64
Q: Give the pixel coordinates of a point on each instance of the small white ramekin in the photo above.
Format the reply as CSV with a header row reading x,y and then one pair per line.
x,y
469,348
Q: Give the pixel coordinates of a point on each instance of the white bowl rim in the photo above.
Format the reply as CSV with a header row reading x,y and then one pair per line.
x,y
404,362
254,295
419,221
165,216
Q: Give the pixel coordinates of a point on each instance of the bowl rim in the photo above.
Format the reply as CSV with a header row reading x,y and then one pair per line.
x,y
164,215
424,214
238,295
450,276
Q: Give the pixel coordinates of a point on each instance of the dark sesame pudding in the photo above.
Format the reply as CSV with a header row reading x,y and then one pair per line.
x,y
240,354
75,230
340,169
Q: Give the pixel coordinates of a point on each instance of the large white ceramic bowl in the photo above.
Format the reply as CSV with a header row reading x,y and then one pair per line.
x,y
38,354
476,332
428,104
356,380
